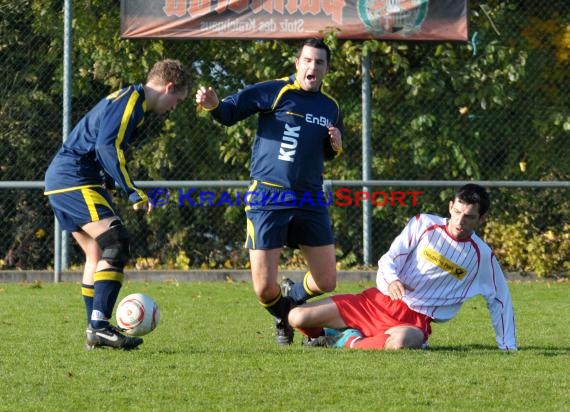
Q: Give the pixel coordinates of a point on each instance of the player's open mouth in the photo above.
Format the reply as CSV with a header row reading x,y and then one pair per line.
x,y
460,232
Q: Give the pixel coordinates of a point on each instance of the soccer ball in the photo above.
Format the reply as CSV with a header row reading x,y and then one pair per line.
x,y
137,314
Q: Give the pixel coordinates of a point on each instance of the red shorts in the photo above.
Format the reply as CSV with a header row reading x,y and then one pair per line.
x,y
373,313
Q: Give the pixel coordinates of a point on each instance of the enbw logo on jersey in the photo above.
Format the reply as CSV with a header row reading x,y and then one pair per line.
x,y
320,120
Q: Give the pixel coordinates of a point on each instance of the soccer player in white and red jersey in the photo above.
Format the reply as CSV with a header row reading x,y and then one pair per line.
x,y
430,270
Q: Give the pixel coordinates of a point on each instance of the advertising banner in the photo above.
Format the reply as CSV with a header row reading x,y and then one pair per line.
x,y
408,20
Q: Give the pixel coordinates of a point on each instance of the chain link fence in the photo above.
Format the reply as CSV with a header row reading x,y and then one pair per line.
x,y
493,110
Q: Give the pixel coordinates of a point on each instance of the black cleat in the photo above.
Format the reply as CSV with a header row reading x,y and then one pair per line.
x,y
328,340
109,336
315,342
283,332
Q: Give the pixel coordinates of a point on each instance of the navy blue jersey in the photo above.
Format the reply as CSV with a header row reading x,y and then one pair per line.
x,y
292,140
93,153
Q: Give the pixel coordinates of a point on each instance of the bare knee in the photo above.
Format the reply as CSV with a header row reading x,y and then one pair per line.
x,y
266,293
326,283
302,317
404,337
296,317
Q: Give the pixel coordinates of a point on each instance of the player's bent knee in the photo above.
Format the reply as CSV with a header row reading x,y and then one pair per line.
x,y
406,337
326,285
329,286
296,317
114,244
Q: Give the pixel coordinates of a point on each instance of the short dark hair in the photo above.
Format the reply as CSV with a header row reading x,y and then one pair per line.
x,y
473,194
317,44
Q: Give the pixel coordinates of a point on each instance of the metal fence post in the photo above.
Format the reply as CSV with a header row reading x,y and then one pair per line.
x,y
366,160
56,252
67,93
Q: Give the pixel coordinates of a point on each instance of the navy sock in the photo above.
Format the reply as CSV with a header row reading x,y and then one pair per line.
x,y
107,286
300,292
279,307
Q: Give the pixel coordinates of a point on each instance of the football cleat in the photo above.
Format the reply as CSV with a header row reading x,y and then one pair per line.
x,y
346,336
333,338
315,342
284,333
109,336
327,340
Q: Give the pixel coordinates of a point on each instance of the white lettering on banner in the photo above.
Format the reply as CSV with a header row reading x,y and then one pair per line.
x,y
229,25
289,143
267,26
291,26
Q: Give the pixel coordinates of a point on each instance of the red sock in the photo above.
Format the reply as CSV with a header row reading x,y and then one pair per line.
x,y
373,342
312,332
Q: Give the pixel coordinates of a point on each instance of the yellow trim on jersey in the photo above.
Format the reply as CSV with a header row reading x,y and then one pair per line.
x,y
117,94
330,97
92,198
109,275
89,292
122,130
250,229
69,189
271,184
444,263
294,86
295,114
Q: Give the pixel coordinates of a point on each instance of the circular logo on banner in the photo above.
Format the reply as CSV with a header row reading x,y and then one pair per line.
x,y
392,16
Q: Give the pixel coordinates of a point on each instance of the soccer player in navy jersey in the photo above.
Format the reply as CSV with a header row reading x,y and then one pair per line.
x,y
299,127
82,173
430,270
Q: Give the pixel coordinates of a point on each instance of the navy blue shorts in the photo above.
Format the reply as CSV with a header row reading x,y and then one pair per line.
x,y
270,229
278,217
76,208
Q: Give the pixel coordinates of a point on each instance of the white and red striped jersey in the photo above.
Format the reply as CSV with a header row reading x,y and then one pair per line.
x,y
441,272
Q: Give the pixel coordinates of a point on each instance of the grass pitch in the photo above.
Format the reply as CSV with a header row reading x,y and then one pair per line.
x,y
214,350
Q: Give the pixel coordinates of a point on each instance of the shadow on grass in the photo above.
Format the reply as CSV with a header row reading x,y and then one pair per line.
x,y
539,350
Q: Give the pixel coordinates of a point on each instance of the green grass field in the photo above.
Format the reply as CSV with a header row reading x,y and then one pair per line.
x,y
214,350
